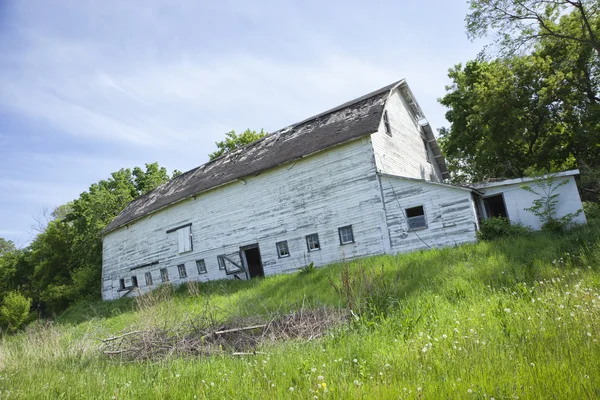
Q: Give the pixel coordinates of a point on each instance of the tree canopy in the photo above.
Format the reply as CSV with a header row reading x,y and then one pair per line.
x,y
233,141
536,107
63,264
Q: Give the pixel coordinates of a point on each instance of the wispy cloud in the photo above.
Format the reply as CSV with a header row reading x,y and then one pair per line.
x,y
89,87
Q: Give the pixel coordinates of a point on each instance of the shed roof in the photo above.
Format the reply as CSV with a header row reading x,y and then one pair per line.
x,y
504,182
348,121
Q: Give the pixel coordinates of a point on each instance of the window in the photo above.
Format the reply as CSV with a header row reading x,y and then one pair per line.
x,y
312,242
201,265
182,271
184,237
221,262
164,275
134,281
282,249
122,284
415,217
148,278
346,235
386,122
426,150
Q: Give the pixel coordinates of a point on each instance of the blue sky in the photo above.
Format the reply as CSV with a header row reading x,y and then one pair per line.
x,y
89,87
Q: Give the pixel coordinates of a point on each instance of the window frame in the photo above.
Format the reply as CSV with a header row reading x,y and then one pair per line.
x,y
287,249
408,219
203,270
122,284
386,123
426,145
148,277
182,271
308,242
340,229
164,275
134,281
183,245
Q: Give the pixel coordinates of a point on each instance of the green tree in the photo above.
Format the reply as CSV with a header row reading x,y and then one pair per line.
x,y
6,246
536,111
506,117
519,24
234,141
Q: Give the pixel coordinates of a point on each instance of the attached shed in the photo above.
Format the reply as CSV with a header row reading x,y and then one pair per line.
x,y
424,214
508,199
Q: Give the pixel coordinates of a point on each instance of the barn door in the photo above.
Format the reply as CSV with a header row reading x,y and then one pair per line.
x,y
233,265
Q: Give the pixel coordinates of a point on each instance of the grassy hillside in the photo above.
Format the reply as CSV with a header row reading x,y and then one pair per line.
x,y
516,318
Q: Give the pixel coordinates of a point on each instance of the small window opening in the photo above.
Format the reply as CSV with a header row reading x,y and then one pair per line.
x,y
148,278
134,281
164,275
426,150
282,249
122,284
182,271
346,235
221,261
386,123
312,242
201,265
415,217
495,207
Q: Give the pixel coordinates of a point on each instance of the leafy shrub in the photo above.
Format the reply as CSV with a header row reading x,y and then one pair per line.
x,y
494,228
592,210
545,207
308,269
15,310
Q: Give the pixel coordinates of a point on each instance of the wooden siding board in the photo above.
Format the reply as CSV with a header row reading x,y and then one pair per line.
x,y
318,195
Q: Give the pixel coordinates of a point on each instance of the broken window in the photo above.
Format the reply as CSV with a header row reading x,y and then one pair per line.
x,y
495,206
148,278
386,123
201,265
282,249
182,271
312,242
426,150
346,235
415,217
134,281
164,275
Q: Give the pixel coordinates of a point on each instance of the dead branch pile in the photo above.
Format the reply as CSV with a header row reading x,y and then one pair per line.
x,y
203,336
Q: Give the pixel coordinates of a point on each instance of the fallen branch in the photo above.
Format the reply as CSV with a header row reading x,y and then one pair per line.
x,y
122,336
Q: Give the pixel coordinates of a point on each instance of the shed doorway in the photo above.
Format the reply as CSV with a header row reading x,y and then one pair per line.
x,y
253,261
495,206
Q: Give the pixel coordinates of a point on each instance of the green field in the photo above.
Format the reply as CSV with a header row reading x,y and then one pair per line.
x,y
514,318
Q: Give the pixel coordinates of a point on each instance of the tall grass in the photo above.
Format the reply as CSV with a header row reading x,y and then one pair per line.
x,y
513,318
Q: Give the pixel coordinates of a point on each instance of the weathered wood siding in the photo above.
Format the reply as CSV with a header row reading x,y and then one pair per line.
x,y
449,211
517,200
317,194
403,154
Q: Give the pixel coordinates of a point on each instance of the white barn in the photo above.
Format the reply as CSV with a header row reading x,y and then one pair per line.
x,y
361,179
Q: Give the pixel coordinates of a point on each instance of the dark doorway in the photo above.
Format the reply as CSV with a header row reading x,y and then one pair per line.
x,y
253,261
495,207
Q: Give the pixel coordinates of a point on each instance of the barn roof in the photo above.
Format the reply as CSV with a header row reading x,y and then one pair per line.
x,y
348,121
